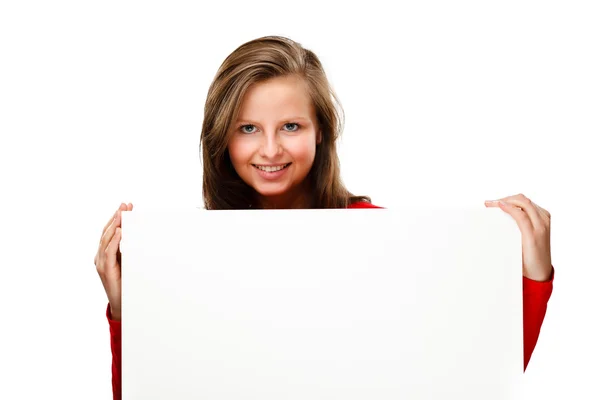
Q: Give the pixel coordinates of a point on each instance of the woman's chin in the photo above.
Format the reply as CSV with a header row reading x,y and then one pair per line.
x,y
270,190
280,195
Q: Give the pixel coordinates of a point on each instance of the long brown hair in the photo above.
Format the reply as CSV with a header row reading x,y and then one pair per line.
x,y
253,62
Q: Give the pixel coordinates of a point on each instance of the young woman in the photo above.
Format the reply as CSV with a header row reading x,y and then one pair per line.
x,y
271,121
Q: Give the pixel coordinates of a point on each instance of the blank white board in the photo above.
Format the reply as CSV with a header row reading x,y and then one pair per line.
x,y
415,303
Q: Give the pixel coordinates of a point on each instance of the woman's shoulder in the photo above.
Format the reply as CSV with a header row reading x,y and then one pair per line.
x,y
362,204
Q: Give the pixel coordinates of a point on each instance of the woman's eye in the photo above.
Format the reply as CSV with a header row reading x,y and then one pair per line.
x,y
248,128
291,127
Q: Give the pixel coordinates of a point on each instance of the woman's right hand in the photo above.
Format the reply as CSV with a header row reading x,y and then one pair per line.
x,y
108,260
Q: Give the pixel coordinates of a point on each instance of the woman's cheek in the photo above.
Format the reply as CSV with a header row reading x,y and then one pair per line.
x,y
239,150
303,148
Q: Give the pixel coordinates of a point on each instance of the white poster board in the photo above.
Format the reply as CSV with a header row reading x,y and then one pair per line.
x,y
321,304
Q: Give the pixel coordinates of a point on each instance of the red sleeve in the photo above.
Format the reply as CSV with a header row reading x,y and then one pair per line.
x,y
362,204
115,347
535,300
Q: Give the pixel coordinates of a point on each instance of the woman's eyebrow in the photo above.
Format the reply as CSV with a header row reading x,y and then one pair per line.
x,y
295,118
249,120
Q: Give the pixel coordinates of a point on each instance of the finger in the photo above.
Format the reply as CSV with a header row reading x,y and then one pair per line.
x,y
544,212
528,206
113,246
111,219
521,217
109,222
110,231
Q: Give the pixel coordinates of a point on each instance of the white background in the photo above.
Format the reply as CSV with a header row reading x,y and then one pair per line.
x,y
446,102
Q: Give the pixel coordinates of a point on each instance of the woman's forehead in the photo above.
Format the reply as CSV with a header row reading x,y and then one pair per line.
x,y
281,97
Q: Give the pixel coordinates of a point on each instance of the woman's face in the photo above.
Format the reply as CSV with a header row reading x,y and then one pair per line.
x,y
274,143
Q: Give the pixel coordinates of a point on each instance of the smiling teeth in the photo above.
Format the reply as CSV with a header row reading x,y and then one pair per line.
x,y
271,169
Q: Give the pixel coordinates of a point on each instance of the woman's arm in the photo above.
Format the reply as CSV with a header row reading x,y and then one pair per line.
x,y
535,300
115,347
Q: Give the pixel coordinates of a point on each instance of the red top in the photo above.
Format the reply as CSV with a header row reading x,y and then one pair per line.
x,y
535,300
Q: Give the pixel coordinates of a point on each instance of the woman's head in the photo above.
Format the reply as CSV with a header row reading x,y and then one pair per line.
x,y
269,107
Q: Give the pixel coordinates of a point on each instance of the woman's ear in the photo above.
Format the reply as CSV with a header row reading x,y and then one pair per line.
x,y
319,136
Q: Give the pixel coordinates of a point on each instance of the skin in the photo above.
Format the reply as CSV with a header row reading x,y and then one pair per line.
x,y
534,223
108,258
277,126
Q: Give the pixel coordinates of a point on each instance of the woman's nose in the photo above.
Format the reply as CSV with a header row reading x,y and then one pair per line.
x,y
271,146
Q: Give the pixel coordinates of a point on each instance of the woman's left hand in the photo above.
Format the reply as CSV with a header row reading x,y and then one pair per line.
x,y
534,223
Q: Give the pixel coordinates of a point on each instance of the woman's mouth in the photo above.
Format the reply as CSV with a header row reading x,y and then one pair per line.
x,y
272,172
271,168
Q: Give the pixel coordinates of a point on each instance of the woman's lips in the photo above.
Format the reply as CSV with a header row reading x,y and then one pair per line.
x,y
271,172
